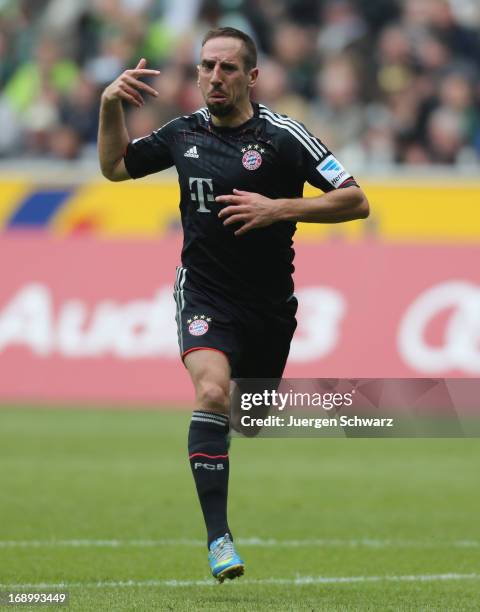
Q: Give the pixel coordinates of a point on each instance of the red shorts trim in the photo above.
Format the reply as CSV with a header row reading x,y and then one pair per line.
x,y
202,348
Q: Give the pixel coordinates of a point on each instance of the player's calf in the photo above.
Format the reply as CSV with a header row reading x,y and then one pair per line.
x,y
208,454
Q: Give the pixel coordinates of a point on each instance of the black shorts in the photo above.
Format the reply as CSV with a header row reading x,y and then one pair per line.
x,y
256,341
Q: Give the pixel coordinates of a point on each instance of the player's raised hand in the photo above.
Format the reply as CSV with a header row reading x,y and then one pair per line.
x,y
128,86
251,209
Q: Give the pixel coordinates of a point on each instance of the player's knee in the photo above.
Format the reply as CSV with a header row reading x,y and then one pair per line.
x,y
212,396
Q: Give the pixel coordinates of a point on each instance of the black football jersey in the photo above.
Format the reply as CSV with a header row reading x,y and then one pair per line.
x,y
270,154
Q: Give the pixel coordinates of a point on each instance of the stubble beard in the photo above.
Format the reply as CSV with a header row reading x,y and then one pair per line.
x,y
220,110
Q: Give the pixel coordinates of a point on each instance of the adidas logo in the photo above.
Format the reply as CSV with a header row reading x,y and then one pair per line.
x,y
192,152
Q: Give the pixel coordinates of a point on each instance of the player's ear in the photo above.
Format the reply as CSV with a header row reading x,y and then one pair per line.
x,y
198,75
252,77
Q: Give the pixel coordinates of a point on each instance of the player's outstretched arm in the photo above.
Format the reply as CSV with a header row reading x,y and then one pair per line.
x,y
254,210
112,132
344,204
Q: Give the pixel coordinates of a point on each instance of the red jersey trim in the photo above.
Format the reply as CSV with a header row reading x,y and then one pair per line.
x,y
351,180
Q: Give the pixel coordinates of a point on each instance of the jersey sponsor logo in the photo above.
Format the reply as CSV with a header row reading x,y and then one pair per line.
x,y
192,152
333,171
201,189
252,158
198,326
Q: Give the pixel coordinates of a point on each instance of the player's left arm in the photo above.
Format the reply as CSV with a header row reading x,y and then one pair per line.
x,y
343,204
255,211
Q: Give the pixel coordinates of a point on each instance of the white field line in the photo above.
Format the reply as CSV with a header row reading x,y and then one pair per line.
x,y
245,542
297,581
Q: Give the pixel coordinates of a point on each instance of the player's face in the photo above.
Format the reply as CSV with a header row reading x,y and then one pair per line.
x,y
222,77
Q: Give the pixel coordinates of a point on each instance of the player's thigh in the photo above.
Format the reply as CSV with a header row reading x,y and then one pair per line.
x,y
210,374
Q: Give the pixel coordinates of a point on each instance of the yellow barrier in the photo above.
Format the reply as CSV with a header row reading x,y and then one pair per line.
x,y
127,209
11,194
411,212
399,212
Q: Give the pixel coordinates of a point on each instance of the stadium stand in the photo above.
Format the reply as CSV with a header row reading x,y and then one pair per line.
x,y
383,83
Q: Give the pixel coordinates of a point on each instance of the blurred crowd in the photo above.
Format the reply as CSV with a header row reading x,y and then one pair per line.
x,y
381,82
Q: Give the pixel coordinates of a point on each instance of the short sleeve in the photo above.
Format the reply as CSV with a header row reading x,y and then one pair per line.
x,y
315,163
151,153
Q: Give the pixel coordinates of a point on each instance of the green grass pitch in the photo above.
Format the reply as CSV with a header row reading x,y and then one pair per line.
x,y
103,502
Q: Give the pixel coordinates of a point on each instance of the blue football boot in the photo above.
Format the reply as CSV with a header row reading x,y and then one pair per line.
x,y
224,560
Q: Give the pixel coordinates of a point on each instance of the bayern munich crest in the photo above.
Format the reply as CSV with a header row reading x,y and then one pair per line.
x,y
198,325
252,158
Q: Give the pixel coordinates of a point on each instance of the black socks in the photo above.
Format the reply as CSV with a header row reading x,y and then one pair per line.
x,y
208,454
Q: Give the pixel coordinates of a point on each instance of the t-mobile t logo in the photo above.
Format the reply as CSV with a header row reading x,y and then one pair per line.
x,y
201,189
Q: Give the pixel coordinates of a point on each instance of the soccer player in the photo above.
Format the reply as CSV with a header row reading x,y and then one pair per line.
x,y
241,168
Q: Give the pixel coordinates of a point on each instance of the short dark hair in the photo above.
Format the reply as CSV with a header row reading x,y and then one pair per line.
x,y
250,55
